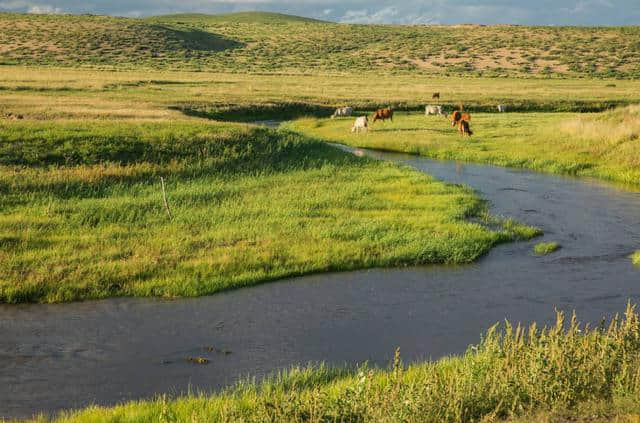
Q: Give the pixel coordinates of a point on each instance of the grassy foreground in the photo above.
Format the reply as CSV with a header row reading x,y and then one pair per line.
x,y
569,371
83,214
604,145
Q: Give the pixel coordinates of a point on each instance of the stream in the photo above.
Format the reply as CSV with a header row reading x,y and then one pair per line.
x,y
63,356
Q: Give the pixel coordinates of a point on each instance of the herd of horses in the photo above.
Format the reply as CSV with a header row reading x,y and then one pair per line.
x,y
459,118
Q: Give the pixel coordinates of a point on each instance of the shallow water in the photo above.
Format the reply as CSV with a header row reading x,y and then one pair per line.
x,y
62,356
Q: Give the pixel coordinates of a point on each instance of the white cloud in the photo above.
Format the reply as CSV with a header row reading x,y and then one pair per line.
x,y
44,9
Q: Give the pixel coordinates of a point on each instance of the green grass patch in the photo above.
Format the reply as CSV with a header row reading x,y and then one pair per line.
x,y
603,145
635,258
83,214
544,248
513,373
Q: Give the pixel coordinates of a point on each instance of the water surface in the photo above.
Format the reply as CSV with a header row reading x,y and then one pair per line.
x,y
63,356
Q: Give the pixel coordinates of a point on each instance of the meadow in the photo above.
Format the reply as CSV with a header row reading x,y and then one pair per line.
x,y
47,93
566,372
83,212
603,145
97,114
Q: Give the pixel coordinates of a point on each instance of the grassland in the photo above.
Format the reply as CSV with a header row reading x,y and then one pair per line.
x,y
94,143
95,110
259,42
601,145
40,93
83,215
569,371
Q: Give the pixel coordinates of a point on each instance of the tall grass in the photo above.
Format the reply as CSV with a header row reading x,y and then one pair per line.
x,y
83,215
514,371
608,129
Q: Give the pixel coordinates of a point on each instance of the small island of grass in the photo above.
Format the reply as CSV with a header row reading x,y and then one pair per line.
x,y
544,248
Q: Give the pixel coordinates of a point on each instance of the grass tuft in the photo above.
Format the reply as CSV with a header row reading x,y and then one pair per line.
x,y
545,248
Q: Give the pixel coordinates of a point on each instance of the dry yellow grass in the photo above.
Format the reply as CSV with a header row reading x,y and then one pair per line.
x,y
49,93
608,136
272,43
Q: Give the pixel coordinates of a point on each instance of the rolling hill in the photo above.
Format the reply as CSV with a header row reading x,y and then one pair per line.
x,y
274,43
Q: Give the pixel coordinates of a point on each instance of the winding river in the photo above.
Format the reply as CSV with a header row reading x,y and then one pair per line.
x,y
64,356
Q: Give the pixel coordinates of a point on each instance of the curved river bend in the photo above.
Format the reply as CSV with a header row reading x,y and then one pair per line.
x,y
62,356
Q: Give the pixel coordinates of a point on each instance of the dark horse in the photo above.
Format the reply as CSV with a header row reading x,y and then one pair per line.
x,y
383,114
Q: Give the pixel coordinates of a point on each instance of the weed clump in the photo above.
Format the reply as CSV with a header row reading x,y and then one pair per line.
x,y
544,248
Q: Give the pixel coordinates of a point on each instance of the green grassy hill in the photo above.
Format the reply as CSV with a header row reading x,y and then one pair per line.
x,y
276,43
240,17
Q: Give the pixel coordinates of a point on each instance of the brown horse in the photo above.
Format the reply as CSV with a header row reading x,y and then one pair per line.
x,y
463,128
435,96
457,116
383,114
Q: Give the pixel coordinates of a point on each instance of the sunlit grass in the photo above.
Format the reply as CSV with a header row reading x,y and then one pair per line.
x,y
268,43
519,373
544,248
635,258
601,145
48,93
83,214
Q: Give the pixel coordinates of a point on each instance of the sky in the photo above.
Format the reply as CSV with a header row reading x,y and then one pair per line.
x,y
523,12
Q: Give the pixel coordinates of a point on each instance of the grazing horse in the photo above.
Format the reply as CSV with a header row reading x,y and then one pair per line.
x,y
435,96
383,114
457,116
360,124
342,111
433,110
463,128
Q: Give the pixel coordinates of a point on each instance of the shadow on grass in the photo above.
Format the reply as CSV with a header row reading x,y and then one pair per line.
x,y
195,39
280,111
448,130
258,151
254,112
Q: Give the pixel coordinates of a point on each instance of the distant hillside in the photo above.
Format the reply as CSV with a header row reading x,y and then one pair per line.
x,y
270,42
241,17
